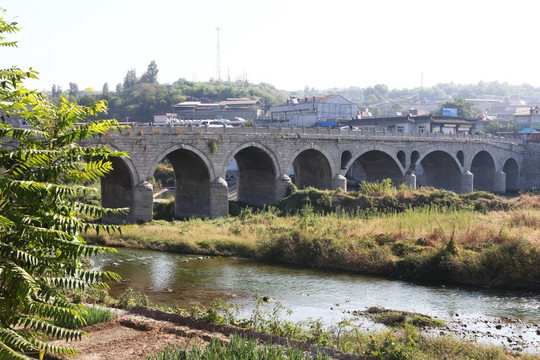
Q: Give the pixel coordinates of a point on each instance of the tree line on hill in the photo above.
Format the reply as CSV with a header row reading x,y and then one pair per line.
x,y
139,98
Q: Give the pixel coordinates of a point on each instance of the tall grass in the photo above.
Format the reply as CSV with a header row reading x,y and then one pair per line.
x,y
237,348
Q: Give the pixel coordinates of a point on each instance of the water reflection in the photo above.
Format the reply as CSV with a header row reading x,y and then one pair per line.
x,y
162,272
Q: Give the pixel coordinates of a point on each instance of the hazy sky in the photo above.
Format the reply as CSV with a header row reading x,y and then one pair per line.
x,y
288,43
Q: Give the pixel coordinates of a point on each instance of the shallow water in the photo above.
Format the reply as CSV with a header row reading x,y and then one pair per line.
x,y
178,280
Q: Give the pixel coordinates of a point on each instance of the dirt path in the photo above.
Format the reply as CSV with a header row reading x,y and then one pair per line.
x,y
144,331
132,337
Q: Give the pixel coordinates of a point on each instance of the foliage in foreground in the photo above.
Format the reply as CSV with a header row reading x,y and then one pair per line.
x,y
237,348
41,249
93,315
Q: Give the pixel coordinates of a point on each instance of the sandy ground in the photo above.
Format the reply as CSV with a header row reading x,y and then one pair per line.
x,y
144,331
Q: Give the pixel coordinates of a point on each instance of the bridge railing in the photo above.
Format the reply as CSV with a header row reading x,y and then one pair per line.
x,y
299,131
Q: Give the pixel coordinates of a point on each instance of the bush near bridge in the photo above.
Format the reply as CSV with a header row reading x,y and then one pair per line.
x,y
382,197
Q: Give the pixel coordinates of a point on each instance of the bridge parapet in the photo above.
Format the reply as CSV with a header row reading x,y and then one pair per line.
x,y
270,130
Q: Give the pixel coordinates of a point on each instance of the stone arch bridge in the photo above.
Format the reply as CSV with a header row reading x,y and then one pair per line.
x,y
322,158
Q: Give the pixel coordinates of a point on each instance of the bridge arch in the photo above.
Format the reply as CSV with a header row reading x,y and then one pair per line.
x,y
415,156
346,157
511,169
193,175
117,189
258,170
402,158
312,166
376,165
483,169
461,157
439,169
175,147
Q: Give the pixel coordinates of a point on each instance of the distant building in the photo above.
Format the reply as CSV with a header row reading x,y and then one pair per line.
x,y
309,111
527,118
233,107
414,124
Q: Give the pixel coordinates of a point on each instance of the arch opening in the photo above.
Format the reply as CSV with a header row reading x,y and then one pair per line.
x,y
191,184
511,170
461,157
374,165
311,168
256,179
483,169
117,191
346,156
440,170
401,157
414,157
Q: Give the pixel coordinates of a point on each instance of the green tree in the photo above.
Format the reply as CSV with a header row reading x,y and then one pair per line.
x,y
375,110
41,248
73,89
397,107
466,109
56,91
130,80
493,127
377,93
150,76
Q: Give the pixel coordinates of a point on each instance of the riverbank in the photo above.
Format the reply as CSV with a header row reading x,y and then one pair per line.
x,y
471,239
143,332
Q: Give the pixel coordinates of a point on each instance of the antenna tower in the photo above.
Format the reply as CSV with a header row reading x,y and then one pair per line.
x,y
218,62
422,84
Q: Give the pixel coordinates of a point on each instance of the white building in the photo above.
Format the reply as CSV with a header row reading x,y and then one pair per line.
x,y
310,111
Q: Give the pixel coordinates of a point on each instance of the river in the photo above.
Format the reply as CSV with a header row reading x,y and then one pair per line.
x,y
179,280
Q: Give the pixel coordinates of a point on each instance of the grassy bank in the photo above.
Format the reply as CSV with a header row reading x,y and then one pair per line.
x,y
448,241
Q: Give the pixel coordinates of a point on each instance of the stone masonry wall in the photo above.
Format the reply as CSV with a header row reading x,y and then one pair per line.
x,y
216,147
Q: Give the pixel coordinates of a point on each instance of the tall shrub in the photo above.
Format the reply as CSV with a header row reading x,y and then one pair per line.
x,y
41,247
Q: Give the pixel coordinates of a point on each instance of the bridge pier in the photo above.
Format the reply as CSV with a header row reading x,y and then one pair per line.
x,y
143,202
410,180
339,181
467,182
282,184
219,198
499,185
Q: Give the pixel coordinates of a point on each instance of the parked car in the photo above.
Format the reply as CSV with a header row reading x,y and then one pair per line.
x,y
214,123
349,128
